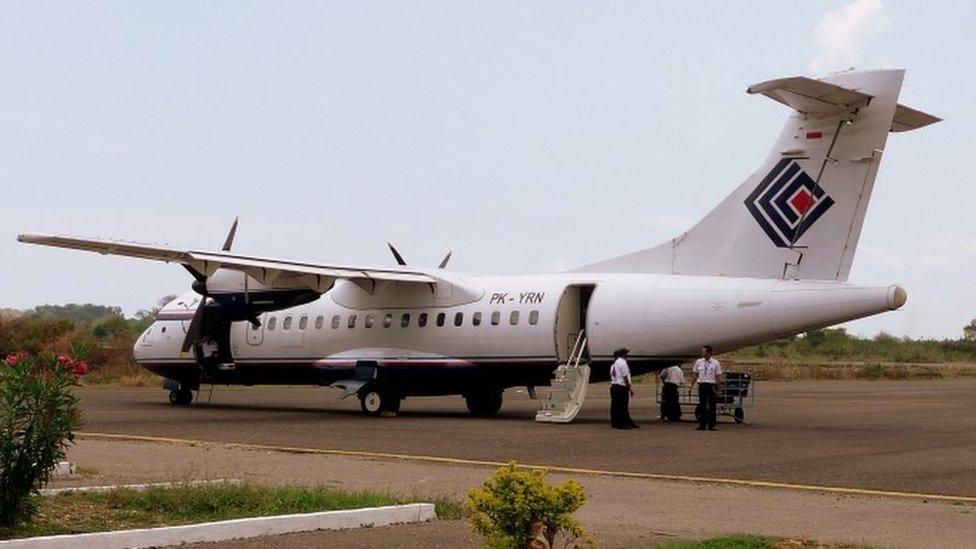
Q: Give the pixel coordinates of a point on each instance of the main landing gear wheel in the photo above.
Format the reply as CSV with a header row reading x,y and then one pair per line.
x,y
375,400
182,397
484,403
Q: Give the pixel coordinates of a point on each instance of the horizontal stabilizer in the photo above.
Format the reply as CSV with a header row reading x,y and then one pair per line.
x,y
822,99
810,96
907,119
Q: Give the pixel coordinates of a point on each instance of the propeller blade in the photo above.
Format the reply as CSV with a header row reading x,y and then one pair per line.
x,y
445,260
193,330
230,236
396,255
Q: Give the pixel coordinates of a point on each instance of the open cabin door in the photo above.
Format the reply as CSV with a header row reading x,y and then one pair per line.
x,y
571,319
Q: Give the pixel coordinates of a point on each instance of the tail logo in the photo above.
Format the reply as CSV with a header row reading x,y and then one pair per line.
x,y
787,202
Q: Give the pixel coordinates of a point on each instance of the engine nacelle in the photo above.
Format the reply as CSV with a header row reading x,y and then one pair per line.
x,y
240,297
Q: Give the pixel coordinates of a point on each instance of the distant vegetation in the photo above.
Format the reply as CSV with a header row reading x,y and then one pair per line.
x,y
53,329
836,345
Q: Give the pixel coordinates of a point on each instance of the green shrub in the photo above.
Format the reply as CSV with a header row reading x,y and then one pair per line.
x,y
513,506
38,416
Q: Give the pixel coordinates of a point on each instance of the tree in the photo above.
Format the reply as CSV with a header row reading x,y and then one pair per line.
x,y
969,331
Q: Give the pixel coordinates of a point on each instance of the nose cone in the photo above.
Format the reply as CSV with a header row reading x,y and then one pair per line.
x,y
897,296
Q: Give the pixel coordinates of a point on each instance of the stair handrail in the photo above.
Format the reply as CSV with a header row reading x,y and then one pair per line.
x,y
576,355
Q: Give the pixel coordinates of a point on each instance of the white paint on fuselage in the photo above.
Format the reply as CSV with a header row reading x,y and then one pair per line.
x,y
653,315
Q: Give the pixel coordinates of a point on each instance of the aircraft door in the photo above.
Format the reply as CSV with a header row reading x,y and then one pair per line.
x,y
255,334
571,319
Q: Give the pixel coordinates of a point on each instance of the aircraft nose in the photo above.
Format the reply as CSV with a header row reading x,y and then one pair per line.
x,y
897,296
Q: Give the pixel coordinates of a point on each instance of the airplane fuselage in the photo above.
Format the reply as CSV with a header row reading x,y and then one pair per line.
x,y
508,330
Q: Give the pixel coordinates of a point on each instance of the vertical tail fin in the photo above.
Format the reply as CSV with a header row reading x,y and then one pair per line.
x,y
800,215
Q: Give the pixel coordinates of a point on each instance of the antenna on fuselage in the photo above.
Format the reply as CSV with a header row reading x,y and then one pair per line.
x,y
445,260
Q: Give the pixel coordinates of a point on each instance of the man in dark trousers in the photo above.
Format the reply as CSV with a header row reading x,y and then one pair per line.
x,y
621,390
708,375
671,379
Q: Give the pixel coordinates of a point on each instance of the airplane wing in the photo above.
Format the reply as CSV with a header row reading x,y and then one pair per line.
x,y
280,272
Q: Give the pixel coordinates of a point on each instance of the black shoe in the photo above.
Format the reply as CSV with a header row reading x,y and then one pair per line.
x,y
699,428
712,429
634,426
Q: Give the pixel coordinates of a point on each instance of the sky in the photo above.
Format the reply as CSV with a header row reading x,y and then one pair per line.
x,y
526,137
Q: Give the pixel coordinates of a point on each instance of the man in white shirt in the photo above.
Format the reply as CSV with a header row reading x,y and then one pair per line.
x,y
708,375
621,390
671,378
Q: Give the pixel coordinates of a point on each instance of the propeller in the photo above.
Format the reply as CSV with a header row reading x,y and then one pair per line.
x,y
200,286
403,262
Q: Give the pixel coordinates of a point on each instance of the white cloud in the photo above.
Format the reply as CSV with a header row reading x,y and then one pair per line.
x,y
841,32
934,261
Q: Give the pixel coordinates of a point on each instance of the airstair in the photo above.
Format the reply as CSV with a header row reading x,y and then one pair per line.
x,y
568,387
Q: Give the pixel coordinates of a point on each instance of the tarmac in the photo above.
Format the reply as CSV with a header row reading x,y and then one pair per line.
x,y
916,437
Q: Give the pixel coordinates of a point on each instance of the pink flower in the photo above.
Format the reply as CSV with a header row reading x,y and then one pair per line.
x,y
12,359
81,368
64,360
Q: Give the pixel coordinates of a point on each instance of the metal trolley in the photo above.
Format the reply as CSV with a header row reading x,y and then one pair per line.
x,y
738,393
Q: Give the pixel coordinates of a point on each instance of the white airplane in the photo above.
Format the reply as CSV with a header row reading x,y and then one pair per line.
x,y
771,260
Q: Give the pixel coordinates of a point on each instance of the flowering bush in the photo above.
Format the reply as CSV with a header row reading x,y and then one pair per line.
x,y
517,509
38,415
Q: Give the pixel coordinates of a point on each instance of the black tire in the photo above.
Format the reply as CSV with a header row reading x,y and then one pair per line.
x,y
739,415
376,400
182,397
484,403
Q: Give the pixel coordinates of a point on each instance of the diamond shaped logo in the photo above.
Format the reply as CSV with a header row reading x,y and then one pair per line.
x,y
787,202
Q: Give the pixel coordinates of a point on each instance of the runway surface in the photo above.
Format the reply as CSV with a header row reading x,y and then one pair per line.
x,y
912,436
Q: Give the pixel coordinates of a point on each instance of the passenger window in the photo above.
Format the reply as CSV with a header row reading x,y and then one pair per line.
x,y
369,321
387,320
319,321
286,324
405,320
496,318
440,319
352,321
272,322
422,320
513,318
476,319
303,322
534,317
458,319
335,322
163,330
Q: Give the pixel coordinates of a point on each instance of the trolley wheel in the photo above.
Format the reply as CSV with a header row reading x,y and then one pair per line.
x,y
739,414
181,397
376,400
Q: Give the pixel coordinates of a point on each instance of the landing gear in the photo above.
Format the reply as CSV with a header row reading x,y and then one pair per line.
x,y
180,397
375,400
484,403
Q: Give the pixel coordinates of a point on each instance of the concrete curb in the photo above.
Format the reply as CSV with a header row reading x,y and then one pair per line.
x,y
235,529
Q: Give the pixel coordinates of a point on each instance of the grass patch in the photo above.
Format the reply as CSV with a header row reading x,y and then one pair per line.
x,y
745,541
75,513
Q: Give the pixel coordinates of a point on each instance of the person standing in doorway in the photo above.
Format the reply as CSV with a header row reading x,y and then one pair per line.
x,y
621,390
671,379
708,375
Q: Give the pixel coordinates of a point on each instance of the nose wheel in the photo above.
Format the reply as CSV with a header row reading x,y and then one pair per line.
x,y
181,397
